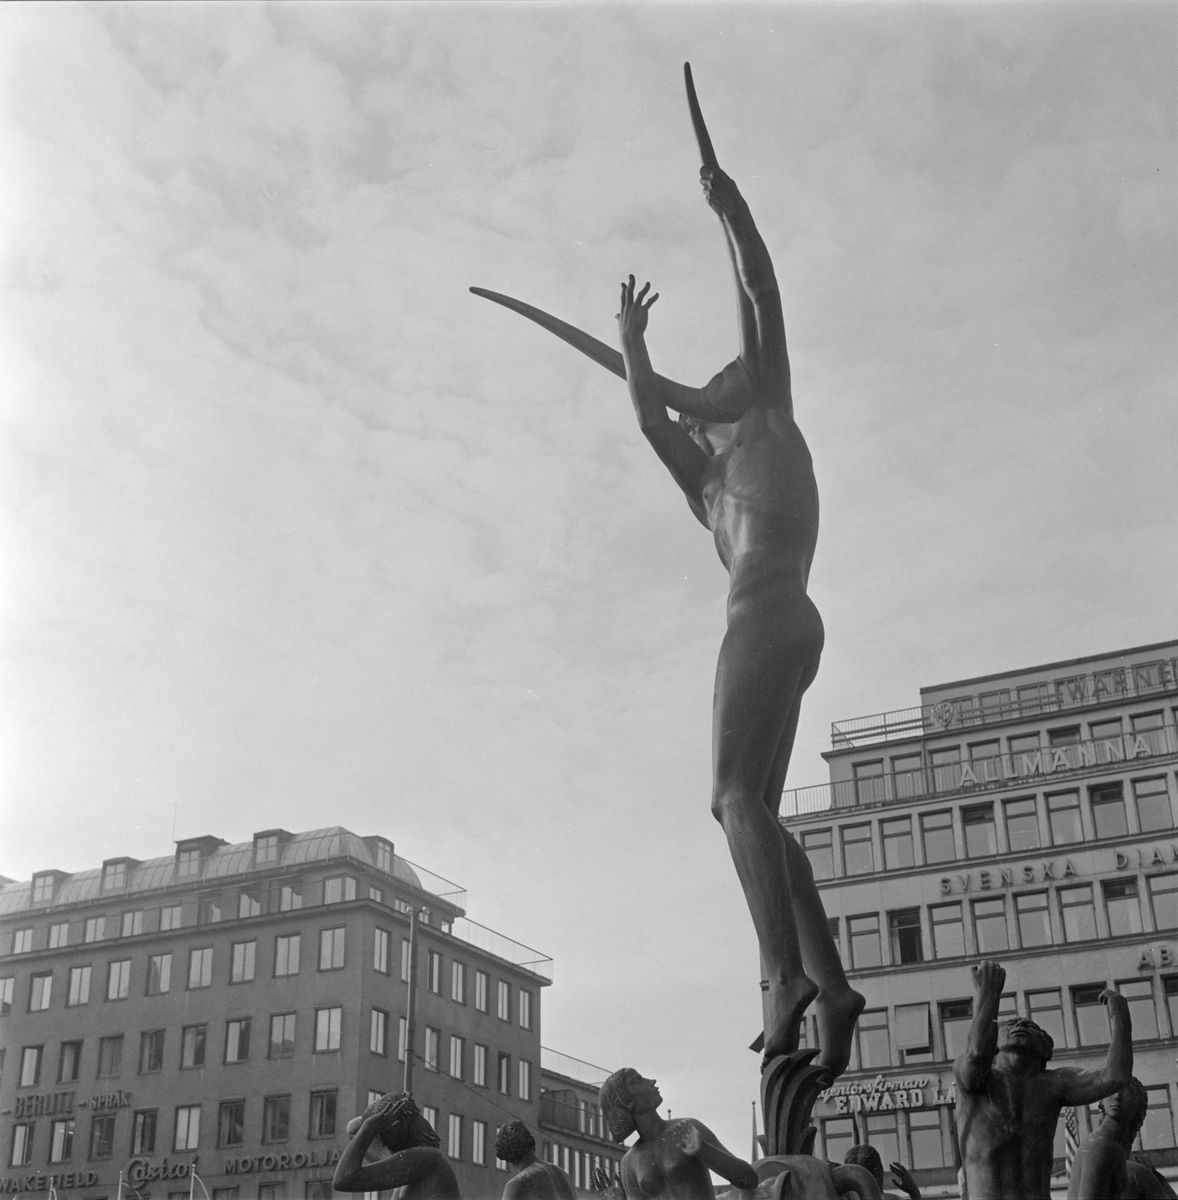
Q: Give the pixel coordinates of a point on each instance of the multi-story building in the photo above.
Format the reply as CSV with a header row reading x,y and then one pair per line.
x,y
574,1134
226,1010
1027,817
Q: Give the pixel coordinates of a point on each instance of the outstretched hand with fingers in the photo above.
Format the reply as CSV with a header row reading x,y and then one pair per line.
x,y
632,317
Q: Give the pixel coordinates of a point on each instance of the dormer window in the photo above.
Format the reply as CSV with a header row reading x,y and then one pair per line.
x,y
44,885
114,875
384,855
187,863
266,849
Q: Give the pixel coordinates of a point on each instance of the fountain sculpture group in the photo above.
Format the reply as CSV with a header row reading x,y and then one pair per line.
x,y
744,468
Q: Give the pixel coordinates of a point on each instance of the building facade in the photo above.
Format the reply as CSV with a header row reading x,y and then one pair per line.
x,y
228,1008
574,1136
1027,817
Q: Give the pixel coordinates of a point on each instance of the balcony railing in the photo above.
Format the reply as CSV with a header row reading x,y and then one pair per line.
x,y
1133,682
1033,768
503,947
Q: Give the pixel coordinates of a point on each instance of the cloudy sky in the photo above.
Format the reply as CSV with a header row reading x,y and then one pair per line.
x,y
298,532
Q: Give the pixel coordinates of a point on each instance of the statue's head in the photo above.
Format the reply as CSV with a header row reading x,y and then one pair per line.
x,y
866,1156
1127,1106
1022,1035
401,1126
622,1095
514,1142
710,436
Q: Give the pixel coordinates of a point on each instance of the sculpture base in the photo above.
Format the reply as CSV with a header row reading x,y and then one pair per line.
x,y
790,1084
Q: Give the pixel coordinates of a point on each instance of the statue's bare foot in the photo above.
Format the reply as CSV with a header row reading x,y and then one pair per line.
x,y
837,1012
788,1001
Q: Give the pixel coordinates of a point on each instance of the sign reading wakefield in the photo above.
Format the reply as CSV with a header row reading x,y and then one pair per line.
x,y
42,1183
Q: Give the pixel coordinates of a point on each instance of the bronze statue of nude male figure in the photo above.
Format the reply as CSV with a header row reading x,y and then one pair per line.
x,y
745,469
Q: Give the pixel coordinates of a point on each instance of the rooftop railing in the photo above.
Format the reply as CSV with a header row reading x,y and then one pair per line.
x,y
1032,700
1031,768
572,1068
438,885
503,947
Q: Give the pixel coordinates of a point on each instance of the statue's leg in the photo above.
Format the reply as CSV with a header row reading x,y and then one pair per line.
x,y
757,679
838,1005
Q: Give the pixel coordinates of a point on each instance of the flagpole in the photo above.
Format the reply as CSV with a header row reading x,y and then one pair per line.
x,y
119,1193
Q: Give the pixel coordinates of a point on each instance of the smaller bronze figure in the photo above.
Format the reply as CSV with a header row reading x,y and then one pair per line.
x,y
868,1156
1008,1103
414,1162
533,1179
1102,1169
671,1159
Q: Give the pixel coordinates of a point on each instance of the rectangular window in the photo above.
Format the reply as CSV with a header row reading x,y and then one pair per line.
x,y
871,1036
904,936
94,929
331,949
327,1028
402,1038
132,924
478,1142
110,1056
897,843
170,916
275,1118
956,1017
378,1032
79,989
454,1136
30,1066
118,979
1034,921
863,934
406,950
237,1040
22,941
22,1145
819,848
69,1063
59,935
1152,800
480,1065
1163,896
858,857
1091,1020
869,782
480,991
505,1074
1063,817
458,982
1123,907
200,967
1022,824
231,1123
978,822
248,905
948,930
144,1125
1108,810
457,1045
1078,912
192,1045
282,1036
40,991
6,986
1046,1010
907,776
289,898
322,1121
504,1001
342,887
883,1134
265,849
213,911
924,1138
102,1135
989,925
525,1009
242,967
151,1051
433,1039
947,772
914,1033
433,974
1157,1132
286,954
380,951
838,1136
525,1079
1139,995
159,974
936,833
1170,991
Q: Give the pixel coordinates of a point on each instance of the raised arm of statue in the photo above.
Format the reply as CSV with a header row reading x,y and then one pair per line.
x,y
1086,1087
701,1143
973,1064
